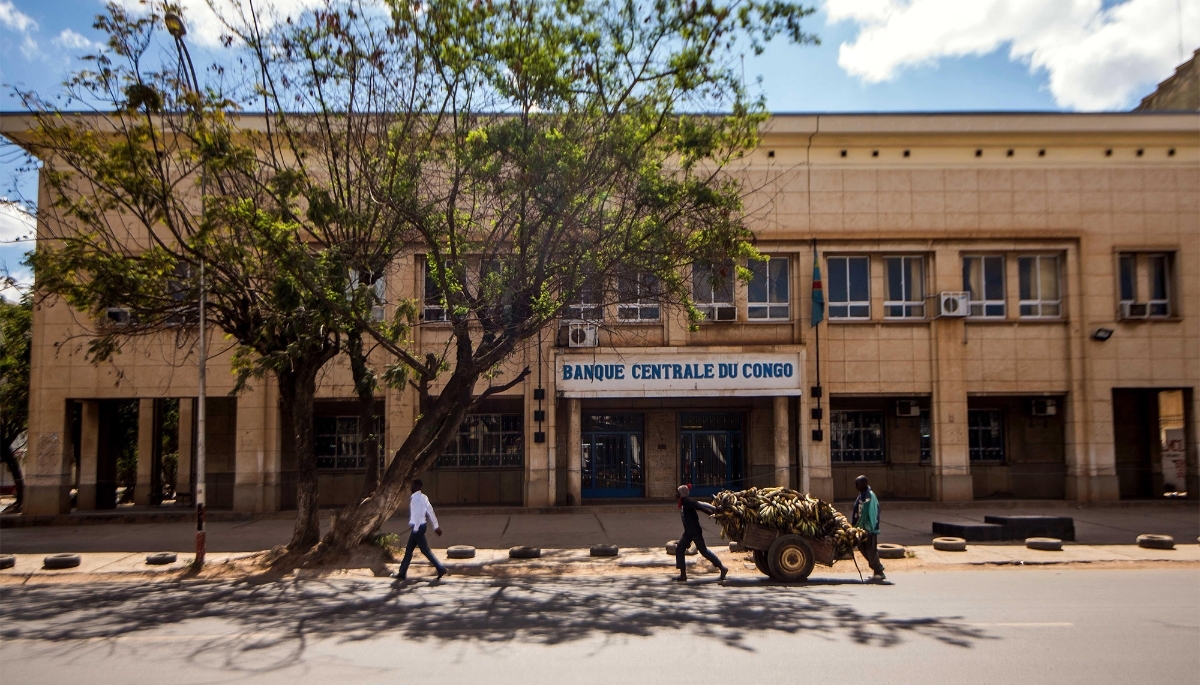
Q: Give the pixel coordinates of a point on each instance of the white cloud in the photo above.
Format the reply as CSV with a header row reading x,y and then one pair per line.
x,y
15,222
71,40
1096,58
29,47
203,26
14,18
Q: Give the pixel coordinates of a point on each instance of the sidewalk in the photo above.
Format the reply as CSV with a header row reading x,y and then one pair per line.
x,y
646,526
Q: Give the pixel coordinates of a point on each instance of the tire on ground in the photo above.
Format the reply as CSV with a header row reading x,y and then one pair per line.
x,y
460,552
760,562
888,550
604,550
7,561
790,559
57,561
950,544
161,558
736,546
672,544
1151,541
1044,544
524,553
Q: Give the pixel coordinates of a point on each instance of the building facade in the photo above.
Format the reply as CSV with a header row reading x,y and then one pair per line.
x,y
1011,310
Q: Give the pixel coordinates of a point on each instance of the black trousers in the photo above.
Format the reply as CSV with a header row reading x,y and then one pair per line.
x,y
686,541
870,553
417,539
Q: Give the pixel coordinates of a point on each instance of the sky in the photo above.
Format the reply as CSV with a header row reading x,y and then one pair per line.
x,y
874,56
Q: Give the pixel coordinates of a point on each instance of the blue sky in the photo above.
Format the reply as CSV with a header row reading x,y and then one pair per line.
x,y
875,56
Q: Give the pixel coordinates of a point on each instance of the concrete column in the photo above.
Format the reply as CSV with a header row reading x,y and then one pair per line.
x,y
539,456
187,432
89,454
145,452
256,457
575,453
49,458
951,462
783,471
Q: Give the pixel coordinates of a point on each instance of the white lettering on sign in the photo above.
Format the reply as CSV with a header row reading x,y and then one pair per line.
x,y
664,375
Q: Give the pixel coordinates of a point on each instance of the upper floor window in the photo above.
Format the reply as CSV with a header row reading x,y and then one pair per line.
x,y
1040,294
637,295
983,278
985,435
712,291
435,301
590,304
1156,268
856,436
849,287
768,294
905,288
378,290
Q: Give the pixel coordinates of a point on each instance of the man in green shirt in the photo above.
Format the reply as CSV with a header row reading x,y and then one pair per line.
x,y
866,516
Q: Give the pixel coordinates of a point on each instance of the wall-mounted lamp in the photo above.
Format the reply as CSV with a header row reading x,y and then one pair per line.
x,y
1102,334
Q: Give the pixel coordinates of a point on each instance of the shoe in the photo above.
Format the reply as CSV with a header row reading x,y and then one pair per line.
x,y
724,572
441,573
399,576
878,577
681,578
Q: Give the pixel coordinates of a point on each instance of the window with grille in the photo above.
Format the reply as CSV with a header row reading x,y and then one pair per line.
x,y
712,291
905,297
856,436
926,437
1040,286
486,441
768,294
849,287
338,444
985,435
983,278
637,297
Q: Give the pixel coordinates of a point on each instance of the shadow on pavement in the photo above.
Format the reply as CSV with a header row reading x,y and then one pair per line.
x,y
283,617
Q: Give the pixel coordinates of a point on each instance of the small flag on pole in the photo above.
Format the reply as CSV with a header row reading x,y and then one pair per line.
x,y
818,292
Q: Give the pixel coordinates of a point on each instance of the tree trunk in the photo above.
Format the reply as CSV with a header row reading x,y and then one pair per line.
x,y
297,388
429,438
364,385
14,467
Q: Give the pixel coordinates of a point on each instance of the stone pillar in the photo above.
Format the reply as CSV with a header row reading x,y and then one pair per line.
x,y
783,471
187,433
145,452
89,454
49,458
539,456
575,452
948,414
256,456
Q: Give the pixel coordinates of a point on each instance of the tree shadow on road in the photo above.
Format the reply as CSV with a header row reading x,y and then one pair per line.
x,y
283,616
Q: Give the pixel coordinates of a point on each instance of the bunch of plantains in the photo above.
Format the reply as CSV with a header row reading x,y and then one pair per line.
x,y
785,510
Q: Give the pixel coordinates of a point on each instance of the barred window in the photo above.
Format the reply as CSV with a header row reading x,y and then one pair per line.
x,y
856,436
338,444
926,437
486,441
985,435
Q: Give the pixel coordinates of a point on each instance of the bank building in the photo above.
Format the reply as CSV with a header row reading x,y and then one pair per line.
x,y
1011,310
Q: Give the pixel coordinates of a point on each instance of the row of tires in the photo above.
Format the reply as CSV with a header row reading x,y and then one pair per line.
x,y
1149,541
61,561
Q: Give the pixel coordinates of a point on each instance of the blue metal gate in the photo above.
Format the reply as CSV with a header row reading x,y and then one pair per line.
x,y
612,456
710,451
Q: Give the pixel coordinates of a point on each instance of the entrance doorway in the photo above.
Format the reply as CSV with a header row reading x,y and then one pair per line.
x,y
711,451
1148,429
613,463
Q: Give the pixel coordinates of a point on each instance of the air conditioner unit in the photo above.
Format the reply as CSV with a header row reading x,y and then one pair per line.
x,y
377,313
1043,407
117,316
907,408
582,335
1135,310
952,303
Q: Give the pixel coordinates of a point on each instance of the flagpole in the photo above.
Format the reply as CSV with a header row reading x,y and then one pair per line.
x,y
817,340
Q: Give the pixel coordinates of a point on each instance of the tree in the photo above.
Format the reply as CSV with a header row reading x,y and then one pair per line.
x,y
16,329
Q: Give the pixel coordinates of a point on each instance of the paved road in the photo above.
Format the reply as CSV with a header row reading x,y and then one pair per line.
x,y
1094,525
1001,626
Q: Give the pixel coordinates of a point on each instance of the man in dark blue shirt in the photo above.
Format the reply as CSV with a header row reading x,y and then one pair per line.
x,y
689,509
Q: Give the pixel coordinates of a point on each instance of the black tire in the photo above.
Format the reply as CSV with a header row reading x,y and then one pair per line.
x,y
7,561
950,544
1044,544
58,561
736,547
161,558
760,562
524,553
888,550
672,544
1151,541
604,550
790,559
460,552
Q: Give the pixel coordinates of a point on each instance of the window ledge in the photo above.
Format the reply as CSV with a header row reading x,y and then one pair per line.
x,y
889,322
1153,319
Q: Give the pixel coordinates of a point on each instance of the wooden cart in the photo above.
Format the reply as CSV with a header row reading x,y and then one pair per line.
x,y
786,557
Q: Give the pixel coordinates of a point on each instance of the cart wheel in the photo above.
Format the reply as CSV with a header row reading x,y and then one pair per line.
x,y
760,562
790,559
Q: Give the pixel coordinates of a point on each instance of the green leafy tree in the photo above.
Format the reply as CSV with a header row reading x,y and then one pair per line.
x,y
16,329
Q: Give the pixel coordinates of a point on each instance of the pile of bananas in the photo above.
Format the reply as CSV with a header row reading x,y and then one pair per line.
x,y
785,510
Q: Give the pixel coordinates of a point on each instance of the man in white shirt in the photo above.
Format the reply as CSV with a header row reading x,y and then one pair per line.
x,y
419,512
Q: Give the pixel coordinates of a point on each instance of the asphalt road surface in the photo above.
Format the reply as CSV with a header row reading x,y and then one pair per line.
x,y
983,626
